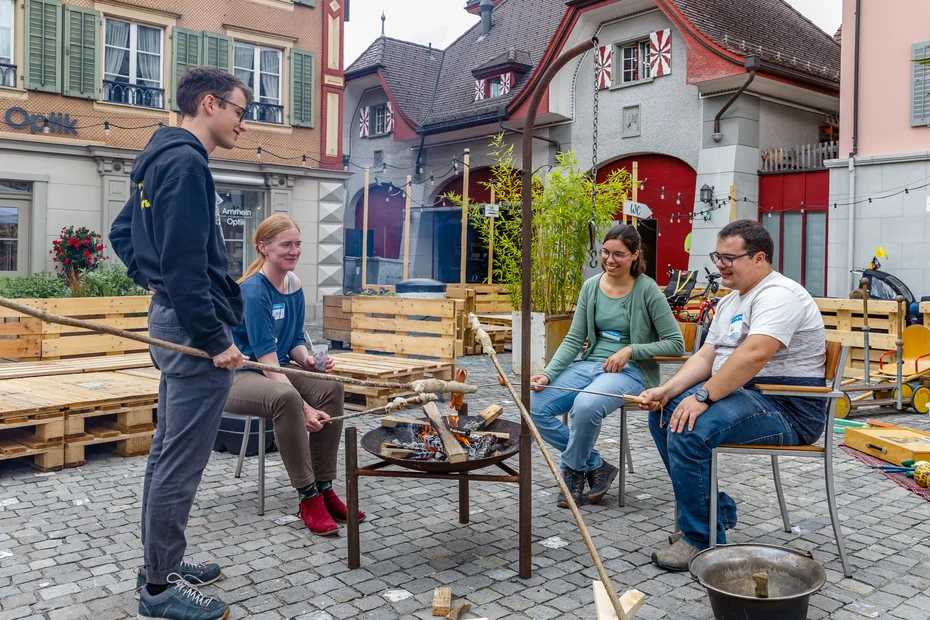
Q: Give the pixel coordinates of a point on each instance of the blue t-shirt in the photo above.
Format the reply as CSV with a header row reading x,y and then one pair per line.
x,y
273,321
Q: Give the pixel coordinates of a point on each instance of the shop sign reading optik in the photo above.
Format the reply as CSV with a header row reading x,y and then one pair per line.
x,y
57,123
235,216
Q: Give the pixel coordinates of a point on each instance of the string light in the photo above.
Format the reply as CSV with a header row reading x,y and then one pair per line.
x,y
678,200
672,220
662,196
258,153
303,161
106,128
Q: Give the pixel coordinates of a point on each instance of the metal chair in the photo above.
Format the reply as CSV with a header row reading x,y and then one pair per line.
x,y
261,457
836,362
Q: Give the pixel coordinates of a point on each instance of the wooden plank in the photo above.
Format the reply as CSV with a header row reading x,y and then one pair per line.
x,y
453,449
442,601
491,413
444,348
84,345
391,421
132,323
444,328
78,306
442,308
630,602
878,306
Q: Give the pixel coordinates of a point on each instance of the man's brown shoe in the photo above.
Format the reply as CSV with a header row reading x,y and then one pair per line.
x,y
675,557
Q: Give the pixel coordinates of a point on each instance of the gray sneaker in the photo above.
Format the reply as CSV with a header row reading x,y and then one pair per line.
x,y
181,601
574,480
675,557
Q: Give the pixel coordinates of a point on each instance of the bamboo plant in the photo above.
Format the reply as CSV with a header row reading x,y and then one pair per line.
x,y
561,211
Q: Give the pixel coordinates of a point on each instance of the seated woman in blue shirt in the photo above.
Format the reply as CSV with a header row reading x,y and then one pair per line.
x,y
273,333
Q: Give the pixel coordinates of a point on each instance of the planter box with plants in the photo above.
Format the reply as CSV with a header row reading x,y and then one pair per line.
x,y
563,205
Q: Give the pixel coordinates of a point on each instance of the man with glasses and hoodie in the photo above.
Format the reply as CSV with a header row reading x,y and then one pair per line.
x,y
169,237
768,330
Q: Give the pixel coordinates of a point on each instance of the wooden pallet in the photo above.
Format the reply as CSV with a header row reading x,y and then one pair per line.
x,y
39,438
337,321
372,367
127,431
20,370
843,321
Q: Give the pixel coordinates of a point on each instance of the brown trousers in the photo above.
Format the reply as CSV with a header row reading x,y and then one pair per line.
x,y
308,457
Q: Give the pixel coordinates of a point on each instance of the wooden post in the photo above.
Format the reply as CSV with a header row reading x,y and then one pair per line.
x,y
365,233
407,228
635,188
491,245
732,203
464,217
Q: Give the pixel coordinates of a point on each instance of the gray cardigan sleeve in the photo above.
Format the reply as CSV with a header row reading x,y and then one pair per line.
x,y
574,340
671,342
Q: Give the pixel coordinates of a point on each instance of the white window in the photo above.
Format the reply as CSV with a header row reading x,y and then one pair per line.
x,y
379,119
260,69
132,64
635,59
7,68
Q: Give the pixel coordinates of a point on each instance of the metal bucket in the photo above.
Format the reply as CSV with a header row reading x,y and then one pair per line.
x,y
726,572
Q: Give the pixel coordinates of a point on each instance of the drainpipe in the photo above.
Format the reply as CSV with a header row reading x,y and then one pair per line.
x,y
751,62
851,229
556,144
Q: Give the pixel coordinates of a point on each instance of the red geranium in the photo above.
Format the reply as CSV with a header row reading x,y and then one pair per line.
x,y
77,249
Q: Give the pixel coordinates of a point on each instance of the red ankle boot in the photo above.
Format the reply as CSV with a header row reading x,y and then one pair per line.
x,y
336,508
316,517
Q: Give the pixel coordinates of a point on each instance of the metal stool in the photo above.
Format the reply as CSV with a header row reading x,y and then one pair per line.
x,y
261,457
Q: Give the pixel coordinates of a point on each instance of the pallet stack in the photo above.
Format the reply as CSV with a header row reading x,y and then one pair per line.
x,y
36,435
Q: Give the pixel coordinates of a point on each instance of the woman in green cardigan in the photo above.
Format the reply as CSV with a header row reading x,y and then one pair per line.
x,y
626,320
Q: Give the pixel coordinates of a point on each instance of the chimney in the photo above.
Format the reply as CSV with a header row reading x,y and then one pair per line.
x,y
486,7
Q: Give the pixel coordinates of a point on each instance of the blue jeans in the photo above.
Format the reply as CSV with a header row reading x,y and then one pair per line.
x,y
584,410
743,417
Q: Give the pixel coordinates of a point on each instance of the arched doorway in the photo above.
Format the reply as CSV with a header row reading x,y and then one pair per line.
x,y
669,193
447,231
385,219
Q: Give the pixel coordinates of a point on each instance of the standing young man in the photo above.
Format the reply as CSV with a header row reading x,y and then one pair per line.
x,y
768,330
169,237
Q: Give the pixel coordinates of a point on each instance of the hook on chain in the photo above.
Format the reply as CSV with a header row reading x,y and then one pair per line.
x,y
592,235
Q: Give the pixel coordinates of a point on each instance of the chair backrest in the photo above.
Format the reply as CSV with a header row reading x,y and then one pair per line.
x,y
832,366
916,342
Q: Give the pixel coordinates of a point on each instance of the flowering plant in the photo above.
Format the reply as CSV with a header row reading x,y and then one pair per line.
x,y
76,250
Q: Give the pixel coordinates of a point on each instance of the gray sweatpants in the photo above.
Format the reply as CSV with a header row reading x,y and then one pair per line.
x,y
191,396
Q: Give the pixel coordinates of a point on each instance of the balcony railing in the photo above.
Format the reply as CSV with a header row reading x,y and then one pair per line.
x,y
134,94
800,157
7,75
265,113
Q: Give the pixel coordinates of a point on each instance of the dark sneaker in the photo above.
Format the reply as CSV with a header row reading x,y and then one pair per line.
x,y
194,574
181,601
574,480
600,480
675,557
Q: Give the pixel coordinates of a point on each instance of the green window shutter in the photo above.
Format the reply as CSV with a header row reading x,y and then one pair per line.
x,y
309,3
302,88
42,66
82,47
217,51
186,52
920,84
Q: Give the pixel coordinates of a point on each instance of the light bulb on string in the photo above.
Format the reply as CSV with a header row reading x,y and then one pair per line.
x,y
679,218
258,153
303,160
384,167
678,200
432,180
46,129
662,195
106,128
672,219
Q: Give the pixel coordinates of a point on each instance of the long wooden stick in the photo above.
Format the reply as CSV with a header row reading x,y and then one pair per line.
x,y
395,405
420,386
488,347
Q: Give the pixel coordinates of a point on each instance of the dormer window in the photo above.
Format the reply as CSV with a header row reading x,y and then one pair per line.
x,y
495,88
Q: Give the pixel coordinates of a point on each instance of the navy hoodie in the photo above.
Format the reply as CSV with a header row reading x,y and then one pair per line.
x,y
169,237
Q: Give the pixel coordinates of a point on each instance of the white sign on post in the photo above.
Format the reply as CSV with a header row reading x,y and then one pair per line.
x,y
636,209
492,210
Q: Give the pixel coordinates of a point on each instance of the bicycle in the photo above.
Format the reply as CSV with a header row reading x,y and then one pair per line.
x,y
680,297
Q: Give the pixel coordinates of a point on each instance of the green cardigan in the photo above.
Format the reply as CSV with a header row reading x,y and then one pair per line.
x,y
653,329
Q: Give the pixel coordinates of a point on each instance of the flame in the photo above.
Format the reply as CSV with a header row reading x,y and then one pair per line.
x,y
452,421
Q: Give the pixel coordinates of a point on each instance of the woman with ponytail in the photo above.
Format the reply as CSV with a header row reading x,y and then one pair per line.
x,y
625,319
272,332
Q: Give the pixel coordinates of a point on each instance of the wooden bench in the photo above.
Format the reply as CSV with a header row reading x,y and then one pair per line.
x,y
402,340
73,387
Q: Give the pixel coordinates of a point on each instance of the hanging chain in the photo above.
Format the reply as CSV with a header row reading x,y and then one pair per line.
x,y
592,224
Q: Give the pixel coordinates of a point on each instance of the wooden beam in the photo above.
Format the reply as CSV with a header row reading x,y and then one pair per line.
x,y
407,228
464,217
365,232
631,601
491,413
393,451
390,421
450,444
635,189
732,203
491,244
442,600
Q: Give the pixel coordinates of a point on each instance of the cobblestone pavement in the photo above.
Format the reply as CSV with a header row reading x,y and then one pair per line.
x,y
69,539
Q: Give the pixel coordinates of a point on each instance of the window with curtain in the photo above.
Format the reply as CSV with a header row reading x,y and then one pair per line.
x,y
132,64
7,69
260,69
800,247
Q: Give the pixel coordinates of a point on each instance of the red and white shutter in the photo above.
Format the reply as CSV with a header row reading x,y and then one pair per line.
x,y
363,123
506,82
481,89
389,117
603,66
660,53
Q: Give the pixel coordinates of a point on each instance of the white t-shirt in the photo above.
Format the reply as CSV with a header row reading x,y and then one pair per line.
x,y
780,308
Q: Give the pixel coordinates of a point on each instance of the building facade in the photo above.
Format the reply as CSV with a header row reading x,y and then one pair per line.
x,y
662,71
880,187
86,83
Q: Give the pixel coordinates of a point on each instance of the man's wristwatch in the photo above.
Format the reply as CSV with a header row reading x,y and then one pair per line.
x,y
703,397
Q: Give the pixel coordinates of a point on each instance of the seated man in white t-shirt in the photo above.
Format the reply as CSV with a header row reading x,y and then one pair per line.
x,y
768,330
